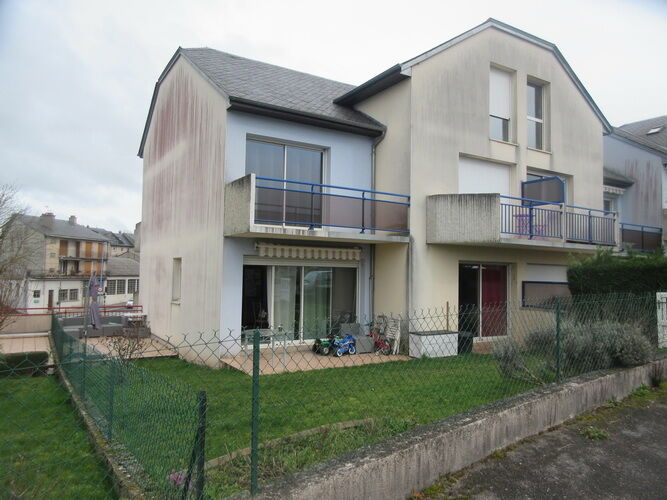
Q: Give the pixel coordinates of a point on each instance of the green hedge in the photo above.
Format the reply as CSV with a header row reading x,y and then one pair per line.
x,y
24,363
604,273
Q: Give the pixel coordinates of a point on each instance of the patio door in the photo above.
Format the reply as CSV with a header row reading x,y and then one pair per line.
x,y
305,302
483,299
292,195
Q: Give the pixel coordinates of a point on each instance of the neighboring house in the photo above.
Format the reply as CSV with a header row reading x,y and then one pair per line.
x,y
122,281
119,243
278,199
634,170
65,255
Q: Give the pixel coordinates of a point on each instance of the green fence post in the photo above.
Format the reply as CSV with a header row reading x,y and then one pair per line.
x,y
201,448
254,440
83,370
559,373
112,384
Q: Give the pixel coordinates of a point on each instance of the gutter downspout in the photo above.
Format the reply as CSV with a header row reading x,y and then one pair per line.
x,y
376,142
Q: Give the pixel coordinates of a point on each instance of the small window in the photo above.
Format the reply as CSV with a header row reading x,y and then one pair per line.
x,y
62,295
111,287
132,286
176,280
120,287
654,130
74,294
543,294
500,104
36,294
535,124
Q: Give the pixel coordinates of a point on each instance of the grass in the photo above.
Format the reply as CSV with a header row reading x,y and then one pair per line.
x,y
399,395
45,450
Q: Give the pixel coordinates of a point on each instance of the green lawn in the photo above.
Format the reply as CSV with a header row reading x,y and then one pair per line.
x,y
45,451
399,395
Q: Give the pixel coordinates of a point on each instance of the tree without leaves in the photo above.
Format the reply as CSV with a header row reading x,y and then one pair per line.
x,y
17,251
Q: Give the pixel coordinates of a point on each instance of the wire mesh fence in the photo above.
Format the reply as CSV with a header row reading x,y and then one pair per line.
x,y
267,403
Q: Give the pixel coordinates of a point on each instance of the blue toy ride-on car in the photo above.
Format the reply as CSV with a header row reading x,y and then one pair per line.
x,y
345,345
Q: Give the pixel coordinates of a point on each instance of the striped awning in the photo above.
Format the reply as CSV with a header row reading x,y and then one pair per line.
x,y
272,250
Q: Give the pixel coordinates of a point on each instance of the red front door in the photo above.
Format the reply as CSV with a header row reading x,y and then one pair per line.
x,y
494,300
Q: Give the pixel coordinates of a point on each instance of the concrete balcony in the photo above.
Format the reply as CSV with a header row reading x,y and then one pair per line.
x,y
262,207
495,220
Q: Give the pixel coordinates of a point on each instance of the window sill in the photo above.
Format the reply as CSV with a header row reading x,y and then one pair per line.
x,y
539,150
503,142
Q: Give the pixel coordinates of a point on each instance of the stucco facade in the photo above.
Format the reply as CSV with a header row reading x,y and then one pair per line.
x,y
440,114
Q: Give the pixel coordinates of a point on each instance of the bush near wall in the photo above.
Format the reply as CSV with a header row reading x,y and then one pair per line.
x,y
605,273
24,363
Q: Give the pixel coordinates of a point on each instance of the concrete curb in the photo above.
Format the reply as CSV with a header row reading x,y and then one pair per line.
x,y
401,465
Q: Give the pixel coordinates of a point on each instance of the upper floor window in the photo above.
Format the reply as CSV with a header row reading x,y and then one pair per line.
x,y
535,111
289,174
500,104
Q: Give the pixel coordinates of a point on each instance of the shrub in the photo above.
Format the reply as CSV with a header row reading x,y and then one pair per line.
x,y
541,341
24,363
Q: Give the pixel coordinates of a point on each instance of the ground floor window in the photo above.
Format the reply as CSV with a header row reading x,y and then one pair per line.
x,y
483,298
74,294
62,295
305,302
543,294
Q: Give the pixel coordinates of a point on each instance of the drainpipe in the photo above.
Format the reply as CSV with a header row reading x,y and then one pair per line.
x,y
376,141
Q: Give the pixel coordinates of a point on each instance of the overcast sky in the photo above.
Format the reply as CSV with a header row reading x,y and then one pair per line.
x,y
77,76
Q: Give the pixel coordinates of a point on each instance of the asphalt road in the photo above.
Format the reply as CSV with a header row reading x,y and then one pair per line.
x,y
617,452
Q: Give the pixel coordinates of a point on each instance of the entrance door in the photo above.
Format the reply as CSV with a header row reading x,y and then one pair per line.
x,y
50,302
483,299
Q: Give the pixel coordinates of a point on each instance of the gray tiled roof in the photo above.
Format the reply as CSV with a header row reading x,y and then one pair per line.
x,y
116,239
122,266
637,132
276,86
61,228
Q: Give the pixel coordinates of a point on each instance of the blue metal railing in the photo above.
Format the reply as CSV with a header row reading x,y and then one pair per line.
x,y
540,219
315,205
640,237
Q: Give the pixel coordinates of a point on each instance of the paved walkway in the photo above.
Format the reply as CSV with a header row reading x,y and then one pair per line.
x,y
619,452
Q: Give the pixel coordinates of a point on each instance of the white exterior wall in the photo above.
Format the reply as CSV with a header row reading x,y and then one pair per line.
x,y
182,206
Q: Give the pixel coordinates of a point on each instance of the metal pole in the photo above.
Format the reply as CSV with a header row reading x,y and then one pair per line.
x,y
559,373
363,212
201,447
254,440
312,210
590,226
112,384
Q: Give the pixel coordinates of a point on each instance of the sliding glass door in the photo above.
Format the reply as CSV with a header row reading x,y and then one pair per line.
x,y
306,302
279,201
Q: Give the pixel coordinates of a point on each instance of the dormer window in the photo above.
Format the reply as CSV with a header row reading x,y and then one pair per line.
x,y
654,130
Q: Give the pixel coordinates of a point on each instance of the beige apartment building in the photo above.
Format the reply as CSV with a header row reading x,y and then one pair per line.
x,y
467,175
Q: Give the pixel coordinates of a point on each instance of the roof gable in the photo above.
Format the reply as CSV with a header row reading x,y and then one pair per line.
x,y
379,82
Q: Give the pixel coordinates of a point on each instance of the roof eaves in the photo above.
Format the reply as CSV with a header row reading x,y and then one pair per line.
x,y
371,87
255,107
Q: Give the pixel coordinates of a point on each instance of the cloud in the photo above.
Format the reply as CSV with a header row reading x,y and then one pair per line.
x,y
78,75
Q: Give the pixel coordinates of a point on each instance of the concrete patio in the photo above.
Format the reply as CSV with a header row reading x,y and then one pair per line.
x,y
302,358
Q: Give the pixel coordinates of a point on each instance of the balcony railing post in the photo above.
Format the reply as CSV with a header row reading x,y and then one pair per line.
x,y
530,221
643,242
563,222
363,212
312,210
590,226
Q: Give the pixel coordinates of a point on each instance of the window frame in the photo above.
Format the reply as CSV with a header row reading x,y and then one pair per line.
x,y
63,294
73,297
36,294
134,288
121,287
536,282
110,288
538,120
507,135
176,280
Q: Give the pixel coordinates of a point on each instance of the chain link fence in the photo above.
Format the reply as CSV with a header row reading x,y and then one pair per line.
x,y
208,415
